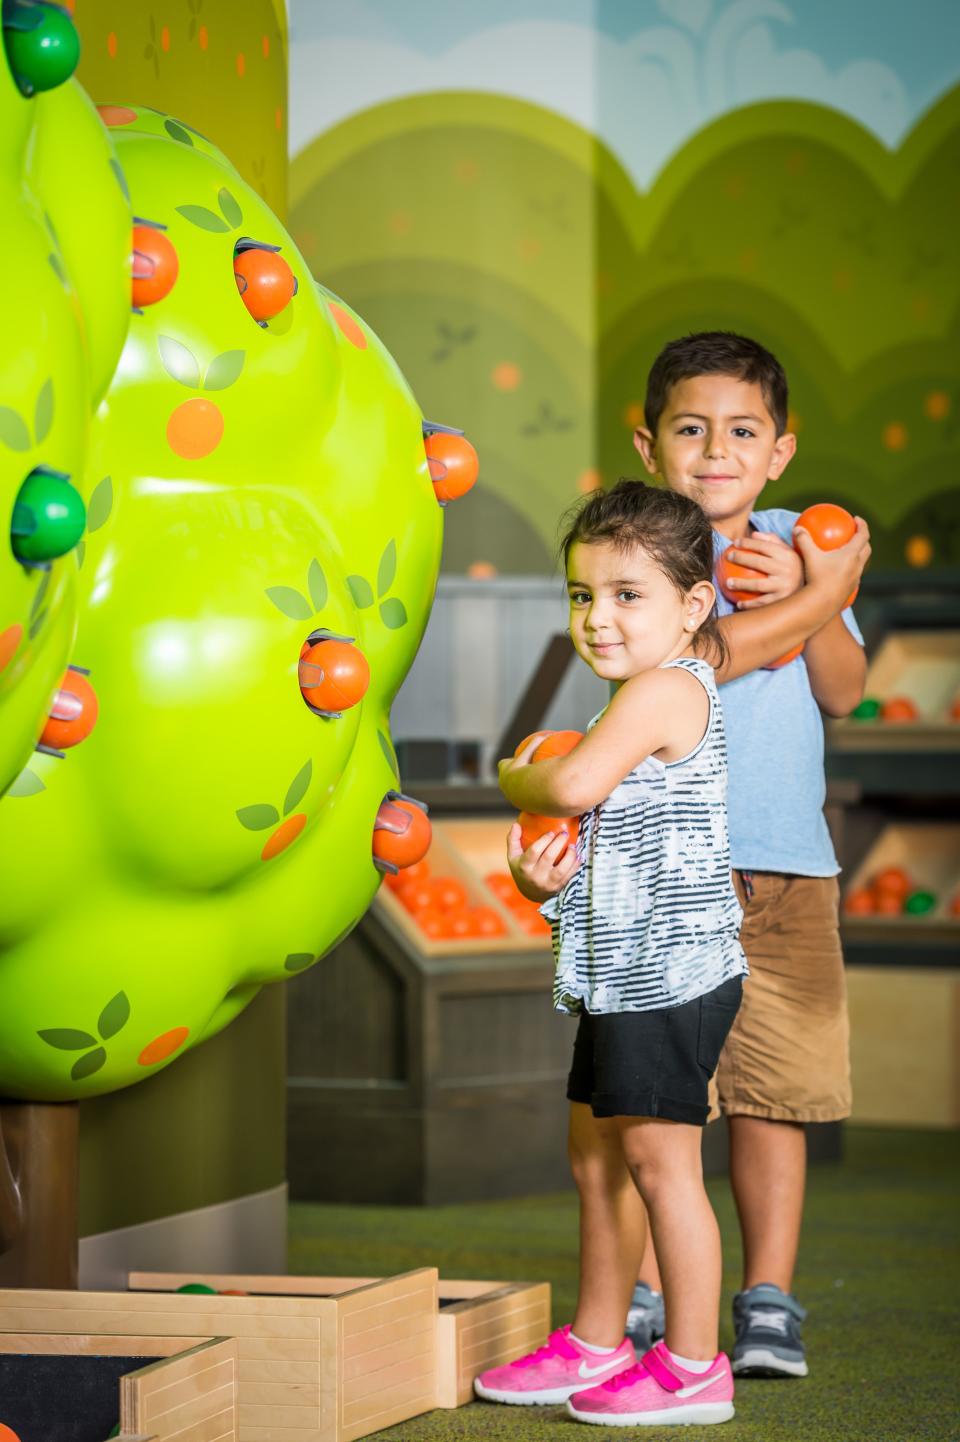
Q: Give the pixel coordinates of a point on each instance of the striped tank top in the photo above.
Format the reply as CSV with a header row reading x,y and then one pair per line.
x,y
651,919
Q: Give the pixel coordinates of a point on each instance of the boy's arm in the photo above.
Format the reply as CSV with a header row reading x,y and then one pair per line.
x,y
836,667
756,637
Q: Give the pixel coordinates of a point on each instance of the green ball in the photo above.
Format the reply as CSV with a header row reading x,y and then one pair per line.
x,y
48,516
918,903
43,46
868,710
198,1289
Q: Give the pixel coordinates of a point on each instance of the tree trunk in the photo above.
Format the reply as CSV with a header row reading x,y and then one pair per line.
x,y
38,1193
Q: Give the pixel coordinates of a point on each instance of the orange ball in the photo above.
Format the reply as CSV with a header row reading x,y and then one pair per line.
x,y
487,922
73,714
728,572
533,924
401,832
265,282
893,879
887,903
154,266
859,902
953,906
433,923
447,893
557,743
527,739
461,923
955,709
899,709
419,871
532,827
415,895
453,464
502,884
830,527
333,675
784,660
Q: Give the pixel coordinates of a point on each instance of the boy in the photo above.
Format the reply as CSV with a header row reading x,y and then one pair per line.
x,y
716,429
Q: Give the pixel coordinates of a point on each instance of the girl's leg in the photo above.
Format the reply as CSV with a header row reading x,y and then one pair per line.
x,y
664,1160
612,1227
649,1266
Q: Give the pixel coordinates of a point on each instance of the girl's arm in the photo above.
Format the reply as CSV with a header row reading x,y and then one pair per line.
x,y
659,710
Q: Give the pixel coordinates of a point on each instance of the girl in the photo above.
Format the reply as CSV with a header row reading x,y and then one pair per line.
x,y
645,924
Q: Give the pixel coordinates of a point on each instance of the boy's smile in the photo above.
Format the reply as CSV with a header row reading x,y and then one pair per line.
x,y
717,443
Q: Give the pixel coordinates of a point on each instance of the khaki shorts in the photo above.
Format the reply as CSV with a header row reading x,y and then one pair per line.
x,y
787,1055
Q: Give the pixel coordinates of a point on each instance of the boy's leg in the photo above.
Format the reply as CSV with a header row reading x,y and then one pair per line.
x,y
612,1227
768,1162
664,1160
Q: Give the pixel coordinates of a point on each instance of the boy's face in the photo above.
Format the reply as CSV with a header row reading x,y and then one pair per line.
x,y
716,442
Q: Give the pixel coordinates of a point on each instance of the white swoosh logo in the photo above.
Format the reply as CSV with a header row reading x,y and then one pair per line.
x,y
586,1371
697,1387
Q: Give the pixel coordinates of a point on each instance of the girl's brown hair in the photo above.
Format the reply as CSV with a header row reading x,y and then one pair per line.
x,y
670,528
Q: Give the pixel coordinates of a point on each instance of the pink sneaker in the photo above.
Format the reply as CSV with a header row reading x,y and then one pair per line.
x,y
552,1373
658,1393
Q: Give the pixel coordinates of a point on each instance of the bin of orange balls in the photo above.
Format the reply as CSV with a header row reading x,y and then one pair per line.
x,y
890,892
441,907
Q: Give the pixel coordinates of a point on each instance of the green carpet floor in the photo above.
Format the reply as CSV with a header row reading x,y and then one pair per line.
x,y
878,1273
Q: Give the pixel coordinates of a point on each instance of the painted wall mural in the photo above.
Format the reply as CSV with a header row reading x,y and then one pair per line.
x,y
526,232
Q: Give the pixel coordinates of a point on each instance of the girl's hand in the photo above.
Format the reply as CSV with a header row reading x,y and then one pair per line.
x,y
545,867
508,769
781,566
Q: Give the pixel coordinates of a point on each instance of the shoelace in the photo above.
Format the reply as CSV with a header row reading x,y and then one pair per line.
x,y
556,1345
627,1378
768,1317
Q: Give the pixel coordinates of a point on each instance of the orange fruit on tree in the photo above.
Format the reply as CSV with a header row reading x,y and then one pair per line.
x,y
195,428
729,572
333,675
532,827
453,464
401,831
899,709
73,713
284,836
154,265
265,281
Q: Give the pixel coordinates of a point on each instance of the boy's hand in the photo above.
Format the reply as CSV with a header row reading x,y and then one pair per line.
x,y
781,566
545,867
835,573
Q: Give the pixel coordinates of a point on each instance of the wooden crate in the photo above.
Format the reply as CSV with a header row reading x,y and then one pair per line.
x,y
921,665
310,1368
904,1034
467,849
190,1393
479,1324
930,854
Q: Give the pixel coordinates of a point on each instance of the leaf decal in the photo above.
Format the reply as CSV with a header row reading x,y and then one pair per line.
x,y
28,783
230,208
114,1016
80,550
387,569
317,582
100,504
299,961
58,270
298,788
13,430
361,592
67,1038
290,602
41,592
257,818
204,218
389,753
117,169
177,132
393,613
43,412
179,361
224,369
88,1064
36,625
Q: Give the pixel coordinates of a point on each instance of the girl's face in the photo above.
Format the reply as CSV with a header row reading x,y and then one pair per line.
x,y
626,616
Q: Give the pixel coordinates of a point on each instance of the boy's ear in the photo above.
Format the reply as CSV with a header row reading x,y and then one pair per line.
x,y
646,443
783,453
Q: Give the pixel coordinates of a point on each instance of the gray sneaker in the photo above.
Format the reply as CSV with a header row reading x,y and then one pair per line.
x,y
645,1318
767,1323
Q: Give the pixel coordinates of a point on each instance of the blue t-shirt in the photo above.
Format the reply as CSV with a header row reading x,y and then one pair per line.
x,y
775,753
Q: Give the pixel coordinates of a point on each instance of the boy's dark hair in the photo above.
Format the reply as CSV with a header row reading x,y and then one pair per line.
x,y
716,352
671,528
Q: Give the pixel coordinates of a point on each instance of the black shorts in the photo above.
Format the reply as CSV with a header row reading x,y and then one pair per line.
x,y
653,1063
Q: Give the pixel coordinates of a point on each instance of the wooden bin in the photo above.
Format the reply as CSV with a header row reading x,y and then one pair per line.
x,y
921,665
904,1056
310,1368
468,850
189,1394
930,854
479,1324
